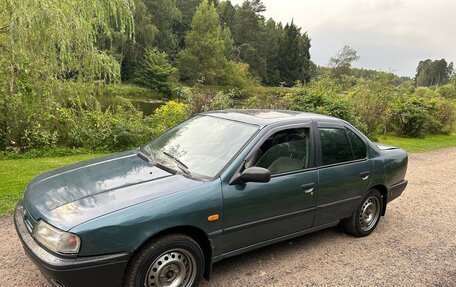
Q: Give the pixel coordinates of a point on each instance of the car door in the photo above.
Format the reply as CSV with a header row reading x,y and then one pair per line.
x,y
344,172
257,212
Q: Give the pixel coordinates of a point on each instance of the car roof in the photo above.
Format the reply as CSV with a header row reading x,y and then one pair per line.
x,y
267,117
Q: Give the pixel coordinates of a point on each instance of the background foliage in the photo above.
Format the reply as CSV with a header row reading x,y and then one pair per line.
x,y
70,72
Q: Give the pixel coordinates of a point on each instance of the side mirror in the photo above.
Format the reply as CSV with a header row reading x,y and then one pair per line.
x,y
252,174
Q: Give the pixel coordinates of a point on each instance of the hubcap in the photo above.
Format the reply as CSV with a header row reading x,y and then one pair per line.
x,y
175,268
369,213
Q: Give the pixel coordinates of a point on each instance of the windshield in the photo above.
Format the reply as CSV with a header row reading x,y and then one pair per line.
x,y
201,146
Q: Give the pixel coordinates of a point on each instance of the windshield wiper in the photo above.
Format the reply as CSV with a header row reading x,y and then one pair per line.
x,y
180,164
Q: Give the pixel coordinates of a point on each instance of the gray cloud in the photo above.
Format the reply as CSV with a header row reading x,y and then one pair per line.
x,y
390,35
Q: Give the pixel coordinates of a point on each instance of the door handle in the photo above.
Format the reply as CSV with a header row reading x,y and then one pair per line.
x,y
365,175
308,188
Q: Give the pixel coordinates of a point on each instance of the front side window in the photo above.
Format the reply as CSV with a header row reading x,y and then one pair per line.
x,y
335,147
204,144
284,151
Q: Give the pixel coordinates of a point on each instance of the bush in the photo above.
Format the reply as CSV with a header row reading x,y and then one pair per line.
x,y
200,99
324,98
47,121
371,100
447,91
168,116
412,116
237,75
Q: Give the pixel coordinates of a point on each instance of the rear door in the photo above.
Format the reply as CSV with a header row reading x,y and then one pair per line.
x,y
344,172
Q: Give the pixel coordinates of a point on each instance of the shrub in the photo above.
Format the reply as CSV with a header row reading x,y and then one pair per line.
x,y
168,116
277,100
412,116
423,92
237,75
371,100
447,91
318,98
45,121
200,99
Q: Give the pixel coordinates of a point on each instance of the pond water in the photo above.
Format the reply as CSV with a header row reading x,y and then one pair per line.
x,y
146,106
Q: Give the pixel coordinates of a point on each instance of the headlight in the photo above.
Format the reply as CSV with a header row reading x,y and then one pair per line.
x,y
56,240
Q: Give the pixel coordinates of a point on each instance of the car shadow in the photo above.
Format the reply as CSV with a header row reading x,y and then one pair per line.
x,y
249,261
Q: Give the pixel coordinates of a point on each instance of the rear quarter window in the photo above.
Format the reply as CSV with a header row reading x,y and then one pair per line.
x,y
358,145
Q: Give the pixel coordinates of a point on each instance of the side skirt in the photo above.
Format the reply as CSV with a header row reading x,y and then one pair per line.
x,y
272,241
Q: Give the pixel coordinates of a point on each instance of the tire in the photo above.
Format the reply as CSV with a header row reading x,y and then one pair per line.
x,y
366,215
173,260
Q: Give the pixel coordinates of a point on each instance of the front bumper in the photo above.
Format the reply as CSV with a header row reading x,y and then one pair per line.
x,y
105,270
396,190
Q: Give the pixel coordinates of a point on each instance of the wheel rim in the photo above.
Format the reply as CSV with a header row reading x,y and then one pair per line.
x,y
174,268
369,213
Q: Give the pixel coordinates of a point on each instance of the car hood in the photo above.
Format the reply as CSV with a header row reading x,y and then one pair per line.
x,y
69,196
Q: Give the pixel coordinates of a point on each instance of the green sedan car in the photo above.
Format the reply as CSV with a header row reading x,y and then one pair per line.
x,y
217,185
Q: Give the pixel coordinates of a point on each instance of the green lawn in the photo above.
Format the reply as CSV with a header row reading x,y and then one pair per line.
x,y
420,145
15,175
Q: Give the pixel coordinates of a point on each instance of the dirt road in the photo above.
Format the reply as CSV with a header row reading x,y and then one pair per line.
x,y
414,245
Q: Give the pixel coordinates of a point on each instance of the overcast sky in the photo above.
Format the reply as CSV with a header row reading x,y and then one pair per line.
x,y
389,35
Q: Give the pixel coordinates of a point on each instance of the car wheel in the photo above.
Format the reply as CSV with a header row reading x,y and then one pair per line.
x,y
366,216
173,260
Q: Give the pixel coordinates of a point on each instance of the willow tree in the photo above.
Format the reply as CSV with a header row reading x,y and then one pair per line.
x,y
57,39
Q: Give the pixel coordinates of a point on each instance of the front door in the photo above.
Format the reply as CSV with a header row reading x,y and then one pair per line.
x,y
258,212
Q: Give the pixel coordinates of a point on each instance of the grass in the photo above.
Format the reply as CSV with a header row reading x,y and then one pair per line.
x,y
428,143
15,175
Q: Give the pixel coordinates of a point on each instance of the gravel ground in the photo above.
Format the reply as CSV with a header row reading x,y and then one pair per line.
x,y
414,245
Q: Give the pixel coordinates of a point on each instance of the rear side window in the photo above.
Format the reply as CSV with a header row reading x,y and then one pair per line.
x,y
335,147
359,147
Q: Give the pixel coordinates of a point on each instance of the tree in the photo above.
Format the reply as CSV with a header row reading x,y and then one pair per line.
x,y
155,71
294,56
57,39
275,33
133,49
165,15
187,9
433,73
204,55
247,34
341,63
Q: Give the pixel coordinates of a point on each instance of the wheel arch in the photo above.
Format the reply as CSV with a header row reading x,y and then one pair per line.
x,y
193,232
384,192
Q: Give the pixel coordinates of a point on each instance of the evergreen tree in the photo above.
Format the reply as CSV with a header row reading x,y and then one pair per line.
x,y
187,9
433,73
248,35
165,15
145,33
294,56
155,71
274,34
204,55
